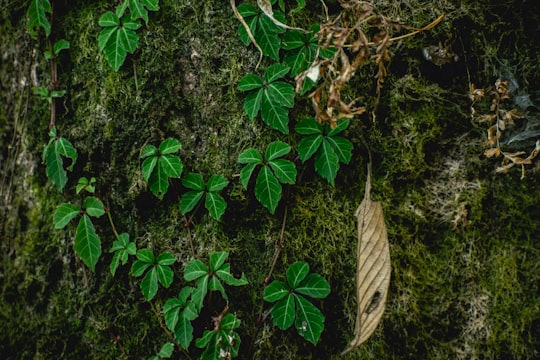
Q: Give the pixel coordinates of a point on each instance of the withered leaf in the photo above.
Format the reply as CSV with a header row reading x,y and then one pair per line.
x,y
373,267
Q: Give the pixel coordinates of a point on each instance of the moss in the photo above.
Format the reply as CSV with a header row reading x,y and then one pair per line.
x,y
464,281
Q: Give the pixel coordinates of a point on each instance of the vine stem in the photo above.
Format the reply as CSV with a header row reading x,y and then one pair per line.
x,y
53,85
166,329
187,224
279,246
108,211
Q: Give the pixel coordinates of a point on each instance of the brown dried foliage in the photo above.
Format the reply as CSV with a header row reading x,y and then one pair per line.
x,y
498,119
359,35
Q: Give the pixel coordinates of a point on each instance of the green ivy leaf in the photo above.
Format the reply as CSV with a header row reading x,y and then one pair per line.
x,y
217,183
283,312
267,189
169,146
166,350
315,286
284,170
148,167
290,307
118,38
63,214
276,150
85,184
193,181
66,149
342,147
171,164
309,146
276,291
189,200
252,103
309,320
121,248
340,126
217,259
93,206
149,284
308,126
250,156
215,204
149,150
194,270
183,332
160,165
250,82
60,45
224,273
274,72
296,272
327,162
245,174
273,114
87,243
281,93
37,17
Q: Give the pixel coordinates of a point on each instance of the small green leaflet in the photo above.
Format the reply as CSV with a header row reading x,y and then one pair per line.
x,y
37,17
159,271
214,202
139,8
87,243
160,164
291,307
265,32
53,152
210,277
121,248
178,313
323,142
220,341
58,46
274,172
269,97
165,352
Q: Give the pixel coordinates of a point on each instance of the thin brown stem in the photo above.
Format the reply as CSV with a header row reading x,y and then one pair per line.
x,y
166,329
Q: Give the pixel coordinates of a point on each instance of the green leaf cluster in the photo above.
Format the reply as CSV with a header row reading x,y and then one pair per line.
x,y
121,248
269,96
210,277
180,311
159,271
87,243
274,171
118,37
291,306
37,17
160,164
85,184
323,142
214,202
223,342
265,32
48,95
53,152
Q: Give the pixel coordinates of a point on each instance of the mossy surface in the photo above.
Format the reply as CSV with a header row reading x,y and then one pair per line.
x,y
463,239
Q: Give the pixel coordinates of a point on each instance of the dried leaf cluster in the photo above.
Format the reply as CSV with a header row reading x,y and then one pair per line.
x,y
499,119
359,35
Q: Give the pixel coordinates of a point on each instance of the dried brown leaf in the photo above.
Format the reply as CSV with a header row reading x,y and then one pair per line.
x,y
373,267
